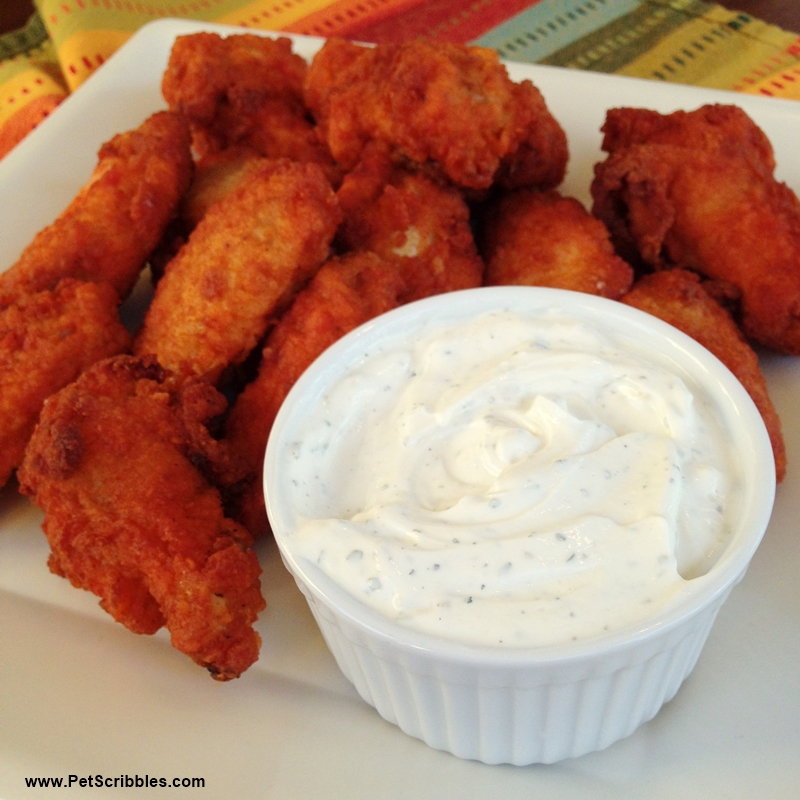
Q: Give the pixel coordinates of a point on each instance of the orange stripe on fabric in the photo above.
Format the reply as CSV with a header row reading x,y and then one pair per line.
x,y
25,87
16,127
342,16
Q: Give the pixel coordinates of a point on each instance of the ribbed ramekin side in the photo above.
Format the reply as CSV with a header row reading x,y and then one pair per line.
x,y
515,715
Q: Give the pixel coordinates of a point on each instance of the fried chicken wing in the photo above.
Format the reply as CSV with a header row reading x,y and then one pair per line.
x,y
345,293
419,224
243,90
242,265
117,219
216,175
115,463
544,239
435,104
697,190
678,297
46,340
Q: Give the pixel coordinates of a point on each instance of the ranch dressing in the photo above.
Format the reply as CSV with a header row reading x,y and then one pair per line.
x,y
513,480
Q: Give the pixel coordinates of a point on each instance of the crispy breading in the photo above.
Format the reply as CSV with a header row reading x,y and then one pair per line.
x,y
118,217
537,238
46,340
678,297
243,90
115,465
697,190
216,175
345,293
419,224
435,103
242,265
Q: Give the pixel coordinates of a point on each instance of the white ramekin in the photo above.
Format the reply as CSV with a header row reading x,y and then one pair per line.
x,y
535,705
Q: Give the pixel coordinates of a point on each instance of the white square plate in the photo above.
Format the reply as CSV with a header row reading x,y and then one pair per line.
x,y
81,696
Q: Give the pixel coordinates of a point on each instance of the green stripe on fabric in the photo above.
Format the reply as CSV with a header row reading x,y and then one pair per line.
x,y
24,40
615,45
551,25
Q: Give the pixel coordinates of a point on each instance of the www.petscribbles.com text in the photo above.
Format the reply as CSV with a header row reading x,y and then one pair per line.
x,y
116,782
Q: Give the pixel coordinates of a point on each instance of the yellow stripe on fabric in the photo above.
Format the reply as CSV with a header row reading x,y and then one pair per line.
x,y
23,88
784,84
77,27
711,53
84,51
126,14
272,15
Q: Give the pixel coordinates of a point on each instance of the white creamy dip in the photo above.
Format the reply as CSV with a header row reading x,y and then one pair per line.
x,y
515,480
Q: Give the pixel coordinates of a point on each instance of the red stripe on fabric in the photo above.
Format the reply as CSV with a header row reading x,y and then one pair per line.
x,y
445,20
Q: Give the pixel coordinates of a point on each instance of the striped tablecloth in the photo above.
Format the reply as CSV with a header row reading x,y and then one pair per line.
x,y
684,41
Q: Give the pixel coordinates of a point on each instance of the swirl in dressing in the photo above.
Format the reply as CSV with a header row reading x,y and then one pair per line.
x,y
512,481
